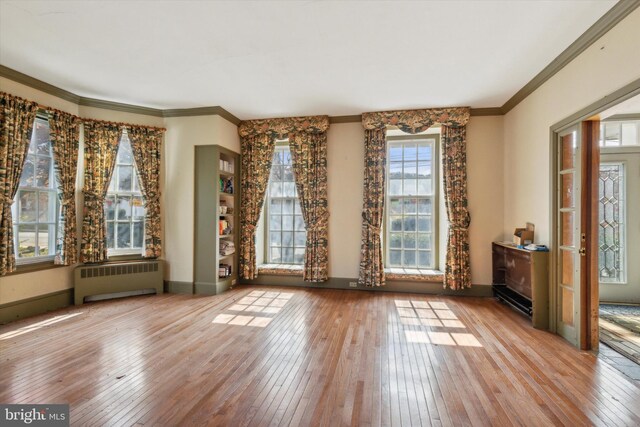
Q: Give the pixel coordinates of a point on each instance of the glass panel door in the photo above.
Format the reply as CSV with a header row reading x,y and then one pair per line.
x,y
569,243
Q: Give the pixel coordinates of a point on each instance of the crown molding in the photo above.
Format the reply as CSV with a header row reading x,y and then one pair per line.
x,y
202,111
34,83
489,111
609,20
118,106
345,119
622,117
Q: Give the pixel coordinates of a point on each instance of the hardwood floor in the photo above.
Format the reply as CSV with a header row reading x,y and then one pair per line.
x,y
288,356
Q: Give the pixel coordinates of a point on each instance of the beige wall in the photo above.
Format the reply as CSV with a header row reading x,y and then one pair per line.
x,y
609,64
183,134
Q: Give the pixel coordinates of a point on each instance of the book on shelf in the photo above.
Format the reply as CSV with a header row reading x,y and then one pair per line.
x,y
224,270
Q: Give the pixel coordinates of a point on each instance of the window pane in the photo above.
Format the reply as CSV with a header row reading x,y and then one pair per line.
x,y
395,153
43,171
297,205
629,134
124,235
300,238
395,187
26,241
276,255
138,208
409,240
410,223
138,234
424,152
110,208
409,258
612,134
424,169
409,188
287,222
125,156
287,238
395,258
410,170
274,222
277,157
395,170
41,138
276,173
396,223
395,240
45,240
287,255
299,223
424,241
123,207
410,152
27,206
45,211
275,189
395,206
424,206
298,255
287,173
275,238
424,223
424,187
288,189
27,177
409,206
275,206
424,259
125,174
287,207
110,235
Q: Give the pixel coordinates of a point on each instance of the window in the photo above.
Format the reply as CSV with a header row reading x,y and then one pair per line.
x,y
36,211
286,234
611,258
411,205
124,207
619,134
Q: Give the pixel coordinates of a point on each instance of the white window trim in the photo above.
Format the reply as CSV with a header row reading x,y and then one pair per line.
x,y
623,226
435,201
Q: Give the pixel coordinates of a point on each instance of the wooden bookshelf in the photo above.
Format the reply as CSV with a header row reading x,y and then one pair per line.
x,y
210,196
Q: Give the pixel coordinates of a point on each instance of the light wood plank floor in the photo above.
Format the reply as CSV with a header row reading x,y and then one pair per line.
x,y
288,356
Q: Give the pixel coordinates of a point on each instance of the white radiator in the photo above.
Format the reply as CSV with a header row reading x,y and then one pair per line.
x,y
114,280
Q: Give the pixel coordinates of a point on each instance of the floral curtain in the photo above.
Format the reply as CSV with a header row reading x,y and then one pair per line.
x,y
309,158
146,145
371,260
16,124
453,121
257,155
64,131
100,150
457,273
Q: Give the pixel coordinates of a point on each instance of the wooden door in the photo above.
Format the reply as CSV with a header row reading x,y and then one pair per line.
x,y
569,239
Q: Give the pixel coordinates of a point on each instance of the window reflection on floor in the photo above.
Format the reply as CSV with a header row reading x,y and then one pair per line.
x,y
255,302
434,314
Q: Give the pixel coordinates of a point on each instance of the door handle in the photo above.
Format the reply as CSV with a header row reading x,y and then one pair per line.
x,y
583,251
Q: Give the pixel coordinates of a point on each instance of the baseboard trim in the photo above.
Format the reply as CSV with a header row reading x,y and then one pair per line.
x,y
37,305
430,288
174,287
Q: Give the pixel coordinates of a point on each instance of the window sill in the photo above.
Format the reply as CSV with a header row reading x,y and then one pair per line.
x,y
414,275
281,269
125,257
35,266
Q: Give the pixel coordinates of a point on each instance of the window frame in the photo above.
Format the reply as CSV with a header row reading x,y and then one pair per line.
x,y
435,200
281,145
53,191
125,253
619,123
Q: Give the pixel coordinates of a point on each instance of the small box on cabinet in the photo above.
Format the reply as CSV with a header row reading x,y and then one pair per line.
x,y
524,236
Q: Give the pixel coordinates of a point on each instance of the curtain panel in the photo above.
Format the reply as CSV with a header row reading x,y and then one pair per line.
x,y
64,132
257,155
371,259
146,144
309,158
457,274
100,150
257,140
453,121
16,125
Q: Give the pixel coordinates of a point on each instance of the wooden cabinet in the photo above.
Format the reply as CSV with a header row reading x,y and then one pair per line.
x,y
521,279
217,221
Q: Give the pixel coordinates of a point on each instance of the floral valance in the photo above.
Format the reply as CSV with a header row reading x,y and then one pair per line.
x,y
280,128
416,121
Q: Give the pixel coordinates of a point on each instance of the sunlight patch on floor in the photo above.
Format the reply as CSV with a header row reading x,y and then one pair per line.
x,y
37,326
255,302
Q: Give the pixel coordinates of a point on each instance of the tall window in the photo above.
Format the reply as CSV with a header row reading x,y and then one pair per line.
x,y
36,210
124,207
410,219
286,234
611,258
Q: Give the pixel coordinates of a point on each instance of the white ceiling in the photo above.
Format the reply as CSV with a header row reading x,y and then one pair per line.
x,y
269,59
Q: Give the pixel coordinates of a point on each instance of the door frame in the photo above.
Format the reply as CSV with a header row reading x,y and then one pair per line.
x,y
589,340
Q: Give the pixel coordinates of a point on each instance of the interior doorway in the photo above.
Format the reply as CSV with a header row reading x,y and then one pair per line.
x,y
619,233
